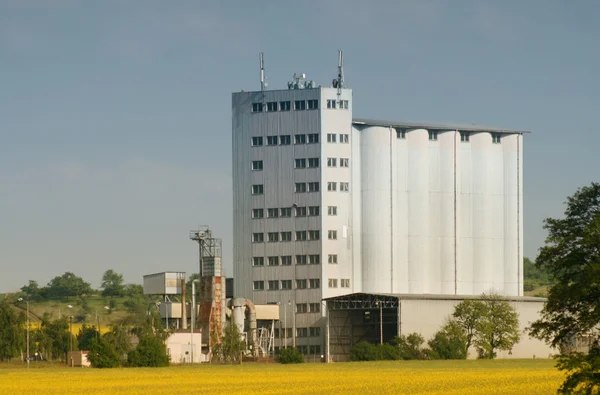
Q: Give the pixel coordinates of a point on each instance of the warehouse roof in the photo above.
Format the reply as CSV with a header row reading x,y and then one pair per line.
x,y
362,295
432,126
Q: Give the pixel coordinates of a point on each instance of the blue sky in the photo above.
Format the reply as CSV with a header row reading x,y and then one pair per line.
x,y
115,117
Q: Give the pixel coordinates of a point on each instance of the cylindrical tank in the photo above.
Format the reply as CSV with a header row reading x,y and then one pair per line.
x,y
238,313
511,214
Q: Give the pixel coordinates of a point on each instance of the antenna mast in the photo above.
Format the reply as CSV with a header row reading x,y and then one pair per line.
x,y
340,78
263,83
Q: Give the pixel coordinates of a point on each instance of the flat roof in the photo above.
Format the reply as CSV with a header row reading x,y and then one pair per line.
x,y
433,126
434,297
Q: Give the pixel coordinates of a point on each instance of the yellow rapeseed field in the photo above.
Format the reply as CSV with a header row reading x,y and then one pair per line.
x,y
407,377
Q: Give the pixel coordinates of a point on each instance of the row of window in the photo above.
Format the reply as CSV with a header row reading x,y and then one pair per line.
x,y
303,163
303,187
299,105
286,212
286,260
332,162
464,136
311,138
304,350
300,332
276,285
312,283
301,235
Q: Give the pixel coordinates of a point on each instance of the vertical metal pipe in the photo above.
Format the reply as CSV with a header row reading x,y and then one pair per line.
x,y
183,307
380,322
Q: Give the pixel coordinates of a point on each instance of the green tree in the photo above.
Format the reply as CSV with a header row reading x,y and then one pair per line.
x,y
103,354
55,339
151,352
290,355
112,284
119,337
12,332
86,335
497,328
409,346
571,256
33,291
467,314
232,345
450,342
67,285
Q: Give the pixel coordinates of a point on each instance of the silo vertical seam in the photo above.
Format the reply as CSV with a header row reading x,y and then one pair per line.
x,y
455,227
519,261
391,217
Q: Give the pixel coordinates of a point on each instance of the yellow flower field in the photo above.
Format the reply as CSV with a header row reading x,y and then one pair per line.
x,y
407,377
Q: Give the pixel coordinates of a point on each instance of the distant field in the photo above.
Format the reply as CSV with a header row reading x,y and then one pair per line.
x,y
406,377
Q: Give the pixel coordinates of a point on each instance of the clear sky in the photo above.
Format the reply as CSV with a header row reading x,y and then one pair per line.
x,y
115,117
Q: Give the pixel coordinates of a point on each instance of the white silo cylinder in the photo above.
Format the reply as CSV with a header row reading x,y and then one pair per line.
x,y
400,212
443,261
511,263
464,218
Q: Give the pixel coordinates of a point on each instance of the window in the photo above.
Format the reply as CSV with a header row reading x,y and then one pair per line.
x,y
313,187
345,282
258,213
300,163
300,187
313,104
333,283
315,350
332,235
285,139
344,186
272,140
302,332
433,135
315,331
272,213
258,237
300,105
257,107
286,212
314,211
314,259
313,138
332,186
344,104
496,138
331,162
284,106
272,106
300,211
259,285
314,283
330,138
257,165
300,139
258,261
286,260
257,141
286,284
286,236
273,285
257,189
301,308
313,162
300,259
273,261
273,237
330,103
300,235
331,210
464,137
314,307
314,235
300,284
344,138
332,258
401,133
344,162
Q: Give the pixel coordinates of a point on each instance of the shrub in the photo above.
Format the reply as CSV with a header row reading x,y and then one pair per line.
x,y
290,355
103,354
363,351
448,343
150,352
409,347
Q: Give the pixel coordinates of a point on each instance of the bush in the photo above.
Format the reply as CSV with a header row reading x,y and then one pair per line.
x,y
448,343
409,347
364,351
150,352
103,354
290,355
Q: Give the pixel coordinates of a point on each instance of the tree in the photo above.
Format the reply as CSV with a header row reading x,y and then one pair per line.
x,y
55,339
103,354
33,291
119,337
86,335
410,346
67,285
467,314
112,284
571,255
12,332
290,355
232,345
497,328
449,342
151,352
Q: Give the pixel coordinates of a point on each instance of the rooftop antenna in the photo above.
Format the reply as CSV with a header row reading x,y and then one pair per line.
x,y
263,83
339,82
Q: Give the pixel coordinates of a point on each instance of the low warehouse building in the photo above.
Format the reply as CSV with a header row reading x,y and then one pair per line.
x,y
380,317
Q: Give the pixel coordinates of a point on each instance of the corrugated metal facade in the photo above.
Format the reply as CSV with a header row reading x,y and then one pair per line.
x,y
423,213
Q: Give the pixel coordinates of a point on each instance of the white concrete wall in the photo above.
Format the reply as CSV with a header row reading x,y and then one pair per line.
x,y
180,343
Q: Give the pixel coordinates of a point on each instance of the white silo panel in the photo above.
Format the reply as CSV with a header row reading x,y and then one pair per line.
x,y
464,218
482,269
446,208
356,168
520,209
418,216
511,257
376,210
400,216
432,267
496,198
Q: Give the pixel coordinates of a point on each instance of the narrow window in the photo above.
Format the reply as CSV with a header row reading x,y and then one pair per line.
x,y
314,235
332,258
273,213
344,162
300,139
258,237
331,162
258,261
333,283
286,212
314,259
300,211
301,235
300,259
257,107
401,133
301,308
433,135
272,106
257,189
285,140
257,165
257,141
496,138
273,261
313,187
332,186
273,285
313,104
272,140
315,308
313,162
259,285
286,284
464,137
284,106
331,137
300,187
344,186
258,213
331,103
286,260
286,236
313,138
344,138
273,237
331,210
301,284
300,163
332,235
300,105
314,283
314,211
